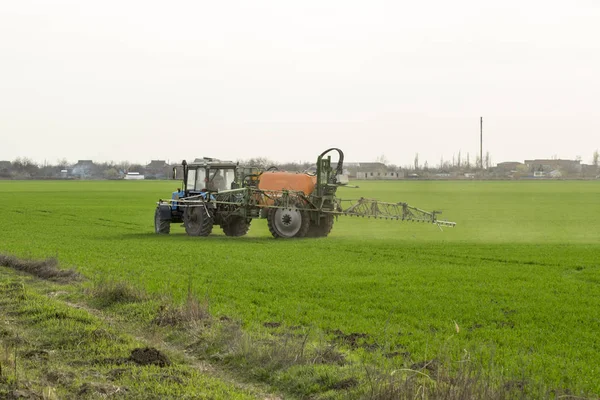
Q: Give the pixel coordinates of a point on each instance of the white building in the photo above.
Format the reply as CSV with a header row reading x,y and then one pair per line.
x,y
134,176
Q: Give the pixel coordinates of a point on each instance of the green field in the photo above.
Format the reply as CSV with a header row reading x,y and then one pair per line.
x,y
516,285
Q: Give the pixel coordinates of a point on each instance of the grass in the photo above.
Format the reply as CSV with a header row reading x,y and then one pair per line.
x,y
52,350
518,276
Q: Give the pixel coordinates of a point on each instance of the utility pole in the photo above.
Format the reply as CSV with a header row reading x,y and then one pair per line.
x,y
481,142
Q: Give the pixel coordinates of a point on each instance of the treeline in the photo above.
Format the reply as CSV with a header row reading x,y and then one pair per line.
x,y
459,164
25,168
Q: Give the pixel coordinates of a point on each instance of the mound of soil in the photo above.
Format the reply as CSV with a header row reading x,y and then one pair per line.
x,y
149,356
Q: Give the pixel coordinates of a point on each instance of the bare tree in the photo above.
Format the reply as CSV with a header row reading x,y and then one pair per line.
x,y
26,167
62,163
416,161
468,162
382,159
458,160
260,162
595,158
487,160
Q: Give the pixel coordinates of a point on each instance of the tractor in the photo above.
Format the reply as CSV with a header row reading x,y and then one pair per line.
x,y
295,204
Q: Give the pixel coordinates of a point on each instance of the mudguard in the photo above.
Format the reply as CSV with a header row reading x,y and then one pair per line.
x,y
164,212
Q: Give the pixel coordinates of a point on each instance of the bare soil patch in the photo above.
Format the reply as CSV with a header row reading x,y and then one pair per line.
x,y
45,269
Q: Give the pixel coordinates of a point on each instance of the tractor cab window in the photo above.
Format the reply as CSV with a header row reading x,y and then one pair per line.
x,y
220,179
191,178
200,179
195,179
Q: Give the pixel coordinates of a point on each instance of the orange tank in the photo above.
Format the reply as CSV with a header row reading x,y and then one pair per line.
x,y
276,180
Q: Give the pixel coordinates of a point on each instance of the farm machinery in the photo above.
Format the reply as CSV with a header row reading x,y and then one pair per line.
x,y
295,205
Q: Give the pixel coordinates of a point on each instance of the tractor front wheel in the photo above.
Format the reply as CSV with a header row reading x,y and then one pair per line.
x,y
161,226
288,222
236,226
197,221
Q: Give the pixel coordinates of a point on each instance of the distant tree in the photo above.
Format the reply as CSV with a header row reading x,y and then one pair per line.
x,y
111,173
416,161
595,158
426,166
522,170
458,161
47,171
294,166
137,168
382,159
259,162
487,160
62,163
468,164
25,167
123,165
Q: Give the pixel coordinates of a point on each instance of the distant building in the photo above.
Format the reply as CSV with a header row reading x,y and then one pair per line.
x,y
374,170
508,166
157,169
590,171
547,166
508,169
83,169
5,169
134,176
366,170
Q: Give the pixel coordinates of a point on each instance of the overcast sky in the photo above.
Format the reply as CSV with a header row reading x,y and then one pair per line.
x,y
141,80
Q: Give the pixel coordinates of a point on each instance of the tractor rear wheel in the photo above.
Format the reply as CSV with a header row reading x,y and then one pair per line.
x,y
197,222
161,226
321,230
288,222
236,226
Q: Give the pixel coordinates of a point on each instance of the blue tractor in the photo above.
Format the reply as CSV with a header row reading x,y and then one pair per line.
x,y
202,180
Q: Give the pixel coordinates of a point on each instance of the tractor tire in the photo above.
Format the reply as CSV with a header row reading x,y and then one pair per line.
x,y
288,222
321,230
237,226
161,226
197,222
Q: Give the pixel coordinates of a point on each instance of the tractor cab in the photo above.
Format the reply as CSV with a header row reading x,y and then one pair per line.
x,y
208,175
